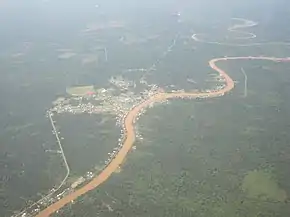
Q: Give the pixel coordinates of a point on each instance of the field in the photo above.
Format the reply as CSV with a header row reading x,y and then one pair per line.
x,y
80,90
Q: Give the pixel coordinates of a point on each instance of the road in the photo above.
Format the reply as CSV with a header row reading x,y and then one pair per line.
x,y
61,150
66,165
246,83
130,132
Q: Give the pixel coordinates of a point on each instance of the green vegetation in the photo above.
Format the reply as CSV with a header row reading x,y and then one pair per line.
x,y
194,157
261,185
80,90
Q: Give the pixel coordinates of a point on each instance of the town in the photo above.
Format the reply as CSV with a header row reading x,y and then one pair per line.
x,y
117,100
